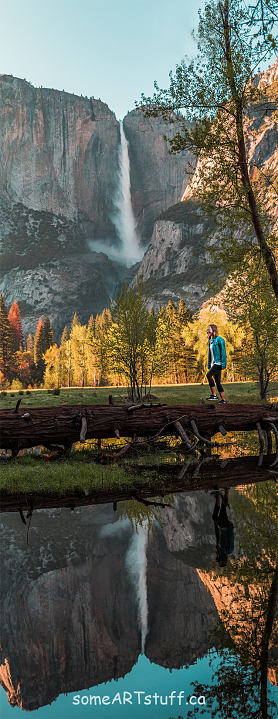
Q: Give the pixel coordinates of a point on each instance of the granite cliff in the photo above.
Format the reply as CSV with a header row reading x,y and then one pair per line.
x,y
176,264
58,153
69,613
158,179
59,175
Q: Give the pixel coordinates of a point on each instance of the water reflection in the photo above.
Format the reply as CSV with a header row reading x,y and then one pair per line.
x,y
95,587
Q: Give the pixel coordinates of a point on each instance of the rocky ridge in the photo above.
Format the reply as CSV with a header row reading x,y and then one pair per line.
x,y
176,264
59,165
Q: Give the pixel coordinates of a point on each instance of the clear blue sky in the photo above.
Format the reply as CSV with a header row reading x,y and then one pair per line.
x,y
106,48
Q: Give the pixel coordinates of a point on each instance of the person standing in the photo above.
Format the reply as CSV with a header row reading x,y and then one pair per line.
x,y
217,361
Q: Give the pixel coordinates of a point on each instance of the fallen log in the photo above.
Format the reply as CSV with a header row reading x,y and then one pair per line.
x,y
162,480
67,424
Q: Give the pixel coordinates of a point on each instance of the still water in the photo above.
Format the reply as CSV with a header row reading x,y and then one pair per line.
x,y
107,602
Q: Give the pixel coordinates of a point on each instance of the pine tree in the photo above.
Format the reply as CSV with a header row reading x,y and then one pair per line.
x,y
65,336
30,344
48,334
6,339
75,320
44,338
64,358
14,318
91,323
78,340
37,354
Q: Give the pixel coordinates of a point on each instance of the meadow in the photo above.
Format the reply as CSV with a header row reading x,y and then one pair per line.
x,y
242,392
80,468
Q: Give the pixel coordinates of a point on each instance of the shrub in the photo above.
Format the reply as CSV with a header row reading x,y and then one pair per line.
x,y
16,384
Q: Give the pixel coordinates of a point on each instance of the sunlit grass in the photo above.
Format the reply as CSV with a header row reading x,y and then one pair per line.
x,y
80,470
242,392
28,474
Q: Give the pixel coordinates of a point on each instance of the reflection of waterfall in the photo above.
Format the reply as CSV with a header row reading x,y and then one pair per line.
x,y
136,561
123,218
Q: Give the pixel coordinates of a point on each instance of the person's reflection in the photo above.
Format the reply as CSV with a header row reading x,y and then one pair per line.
x,y
224,528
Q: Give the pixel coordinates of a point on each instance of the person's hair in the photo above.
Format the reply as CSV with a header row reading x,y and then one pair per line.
x,y
214,329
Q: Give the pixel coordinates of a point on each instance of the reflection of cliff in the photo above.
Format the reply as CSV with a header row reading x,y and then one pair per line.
x,y
181,612
69,614
240,610
68,626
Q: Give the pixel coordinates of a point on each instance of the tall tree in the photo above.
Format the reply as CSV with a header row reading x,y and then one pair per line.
x,y
78,339
30,344
264,18
14,318
48,334
195,336
44,338
215,92
6,340
37,351
130,338
253,305
75,320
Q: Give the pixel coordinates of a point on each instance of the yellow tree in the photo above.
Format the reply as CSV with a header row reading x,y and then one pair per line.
x,y
52,367
253,305
78,341
195,337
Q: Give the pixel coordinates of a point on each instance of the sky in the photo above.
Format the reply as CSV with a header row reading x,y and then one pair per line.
x,y
101,48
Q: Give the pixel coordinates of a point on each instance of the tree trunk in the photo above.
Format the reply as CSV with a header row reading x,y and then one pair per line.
x,y
62,424
242,159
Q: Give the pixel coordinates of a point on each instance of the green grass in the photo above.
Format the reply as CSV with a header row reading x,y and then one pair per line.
x,y
243,392
79,471
29,474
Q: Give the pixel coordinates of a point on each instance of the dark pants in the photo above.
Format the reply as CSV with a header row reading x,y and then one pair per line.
x,y
215,372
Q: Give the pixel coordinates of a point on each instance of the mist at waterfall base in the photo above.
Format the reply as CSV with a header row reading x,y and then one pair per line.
x,y
136,563
128,252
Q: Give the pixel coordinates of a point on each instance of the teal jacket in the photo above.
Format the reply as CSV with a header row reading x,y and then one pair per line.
x,y
219,352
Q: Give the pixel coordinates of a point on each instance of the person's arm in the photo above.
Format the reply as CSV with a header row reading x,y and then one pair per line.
x,y
223,353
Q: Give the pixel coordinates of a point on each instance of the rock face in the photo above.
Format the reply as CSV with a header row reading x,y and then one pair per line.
x,y
58,152
59,165
59,171
69,616
47,265
176,264
151,160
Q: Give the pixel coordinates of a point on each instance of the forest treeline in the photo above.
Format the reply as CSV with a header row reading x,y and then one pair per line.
x,y
129,344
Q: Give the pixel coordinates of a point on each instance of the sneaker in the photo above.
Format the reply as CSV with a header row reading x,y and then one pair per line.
x,y
213,398
223,401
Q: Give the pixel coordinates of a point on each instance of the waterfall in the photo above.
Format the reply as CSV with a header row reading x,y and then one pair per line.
x,y
123,218
136,562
